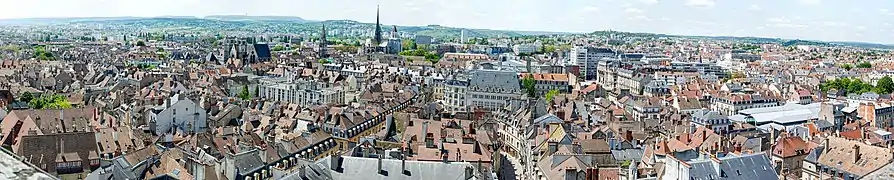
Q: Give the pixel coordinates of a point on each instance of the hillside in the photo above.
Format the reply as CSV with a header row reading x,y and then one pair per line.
x,y
754,40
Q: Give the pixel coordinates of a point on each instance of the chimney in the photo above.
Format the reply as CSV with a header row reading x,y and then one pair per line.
x,y
302,173
857,154
379,159
459,155
444,156
553,147
403,161
628,135
335,162
570,173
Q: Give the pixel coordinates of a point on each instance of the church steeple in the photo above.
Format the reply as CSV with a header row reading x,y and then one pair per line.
x,y
323,43
394,32
378,37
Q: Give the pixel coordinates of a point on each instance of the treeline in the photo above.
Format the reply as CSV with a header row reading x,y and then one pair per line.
x,y
852,85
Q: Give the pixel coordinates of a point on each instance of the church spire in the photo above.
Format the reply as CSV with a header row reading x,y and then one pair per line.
x,y
378,37
323,43
394,32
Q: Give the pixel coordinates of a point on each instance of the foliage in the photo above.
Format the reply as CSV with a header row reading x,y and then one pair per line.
x,y
26,97
864,64
244,94
146,66
848,85
50,102
420,52
884,85
547,49
551,94
846,66
324,61
141,43
528,83
347,48
408,44
278,47
41,53
12,48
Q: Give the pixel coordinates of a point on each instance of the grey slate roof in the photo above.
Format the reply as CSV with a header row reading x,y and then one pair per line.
x,y
747,167
815,154
628,154
367,169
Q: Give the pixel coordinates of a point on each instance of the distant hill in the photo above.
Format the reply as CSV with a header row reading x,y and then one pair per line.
x,y
754,40
255,18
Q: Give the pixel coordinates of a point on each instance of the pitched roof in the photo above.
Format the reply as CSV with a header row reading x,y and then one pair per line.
x,y
843,156
747,167
44,149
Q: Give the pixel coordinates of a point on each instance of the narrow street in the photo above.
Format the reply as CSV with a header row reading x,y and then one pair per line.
x,y
511,168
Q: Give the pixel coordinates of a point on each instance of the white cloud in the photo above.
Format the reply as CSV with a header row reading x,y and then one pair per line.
x,y
649,2
778,20
834,23
701,3
633,10
591,8
783,23
860,28
810,2
754,7
886,12
640,17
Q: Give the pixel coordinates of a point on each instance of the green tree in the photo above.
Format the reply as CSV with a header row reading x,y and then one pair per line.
x,y
26,97
551,94
547,49
244,95
408,44
278,47
141,43
884,86
847,66
864,64
529,85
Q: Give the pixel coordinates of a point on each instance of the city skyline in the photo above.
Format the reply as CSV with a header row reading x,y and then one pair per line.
x,y
822,20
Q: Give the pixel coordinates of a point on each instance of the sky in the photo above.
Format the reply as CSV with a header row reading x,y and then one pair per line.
x,y
828,20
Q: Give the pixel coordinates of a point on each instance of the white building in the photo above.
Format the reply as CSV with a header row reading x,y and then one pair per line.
x,y
587,59
455,95
492,88
303,92
718,122
525,48
181,115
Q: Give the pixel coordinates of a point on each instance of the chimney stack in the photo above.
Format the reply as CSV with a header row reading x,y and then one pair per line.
x,y
335,162
857,154
379,159
403,161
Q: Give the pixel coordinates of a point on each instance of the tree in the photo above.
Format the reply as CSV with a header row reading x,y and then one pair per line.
x,y
244,95
864,64
528,83
141,43
278,47
26,97
408,44
846,66
50,102
884,86
551,94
